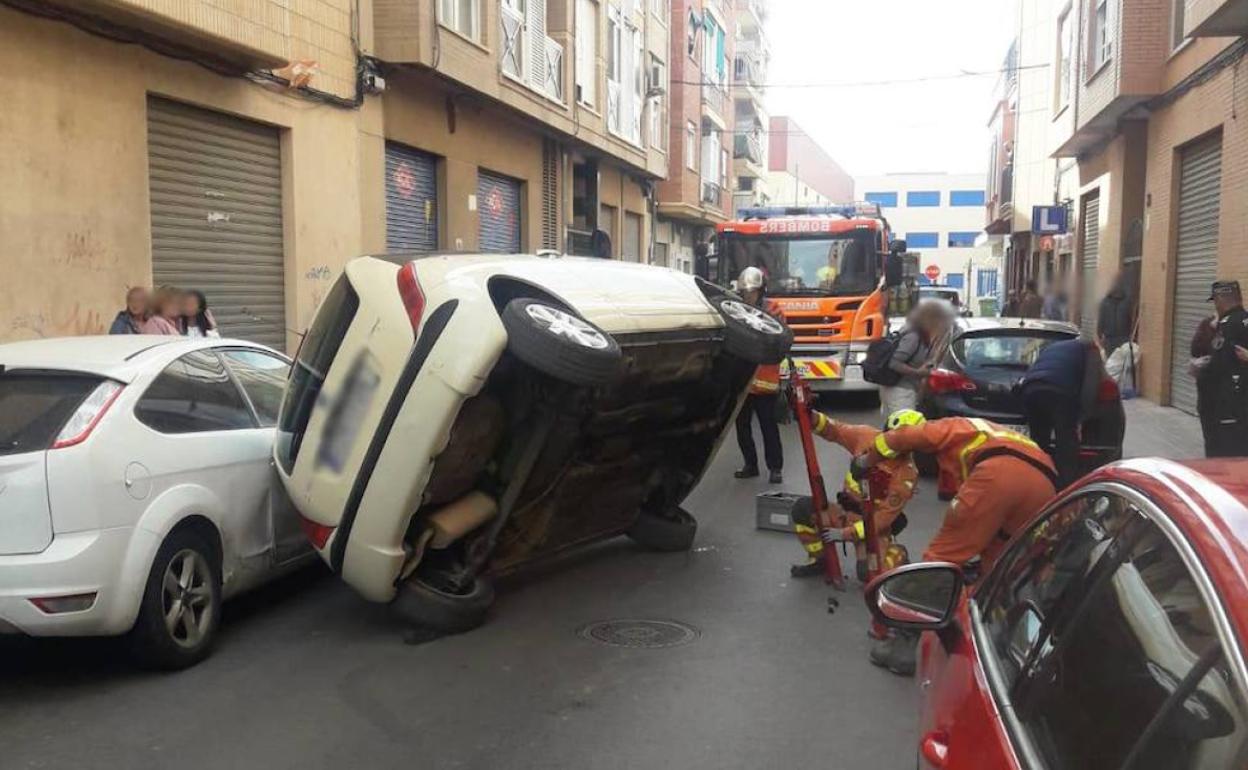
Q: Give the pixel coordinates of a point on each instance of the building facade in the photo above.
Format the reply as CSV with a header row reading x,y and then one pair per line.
x,y
749,141
941,217
1151,121
697,193
799,171
249,150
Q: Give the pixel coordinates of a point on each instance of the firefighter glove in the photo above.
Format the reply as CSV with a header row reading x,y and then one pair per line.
x,y
859,466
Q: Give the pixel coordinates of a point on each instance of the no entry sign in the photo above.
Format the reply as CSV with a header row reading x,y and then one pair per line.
x,y
932,272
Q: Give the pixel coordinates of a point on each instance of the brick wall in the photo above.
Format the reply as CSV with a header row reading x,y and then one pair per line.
x,y
277,30
1213,106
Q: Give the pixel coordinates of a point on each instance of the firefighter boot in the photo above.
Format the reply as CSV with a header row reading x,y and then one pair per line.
x,y
748,472
775,477
812,568
898,653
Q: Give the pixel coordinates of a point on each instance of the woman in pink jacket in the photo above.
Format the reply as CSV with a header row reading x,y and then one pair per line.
x,y
166,315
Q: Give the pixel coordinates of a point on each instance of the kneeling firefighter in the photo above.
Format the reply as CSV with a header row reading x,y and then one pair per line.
x,y
888,502
1004,479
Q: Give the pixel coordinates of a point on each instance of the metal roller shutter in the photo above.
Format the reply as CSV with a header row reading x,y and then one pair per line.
x,y
498,209
216,196
632,237
1089,262
411,199
1196,259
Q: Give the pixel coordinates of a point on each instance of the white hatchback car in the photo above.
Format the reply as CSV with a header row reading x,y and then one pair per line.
x,y
137,489
457,417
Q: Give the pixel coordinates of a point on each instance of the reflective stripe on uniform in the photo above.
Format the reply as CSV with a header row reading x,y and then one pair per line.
x,y
986,430
764,386
883,448
821,422
860,530
852,484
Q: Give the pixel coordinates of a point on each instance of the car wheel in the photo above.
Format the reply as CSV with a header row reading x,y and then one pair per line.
x,y
672,533
558,343
751,334
433,610
181,606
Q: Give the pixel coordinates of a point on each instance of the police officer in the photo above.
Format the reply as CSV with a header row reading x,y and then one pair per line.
x,y
1222,382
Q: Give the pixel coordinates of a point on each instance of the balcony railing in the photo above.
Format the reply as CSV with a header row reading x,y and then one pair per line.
x,y
712,194
1006,190
531,57
749,147
749,68
715,97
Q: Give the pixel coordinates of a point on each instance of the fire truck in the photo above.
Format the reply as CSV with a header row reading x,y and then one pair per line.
x,y
833,272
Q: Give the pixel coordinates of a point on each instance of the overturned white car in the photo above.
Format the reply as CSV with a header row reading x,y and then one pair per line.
x,y
451,418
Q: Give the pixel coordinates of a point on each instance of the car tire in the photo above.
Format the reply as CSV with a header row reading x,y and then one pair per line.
x,y
433,612
751,334
185,579
560,344
673,533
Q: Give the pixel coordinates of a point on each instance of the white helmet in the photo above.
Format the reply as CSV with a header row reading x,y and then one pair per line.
x,y
751,279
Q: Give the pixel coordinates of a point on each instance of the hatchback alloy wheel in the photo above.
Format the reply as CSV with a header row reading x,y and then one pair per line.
x,y
187,598
568,326
752,317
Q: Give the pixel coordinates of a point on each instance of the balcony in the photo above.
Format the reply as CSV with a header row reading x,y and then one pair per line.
x,y
1215,18
530,57
748,147
1001,206
751,14
749,70
715,104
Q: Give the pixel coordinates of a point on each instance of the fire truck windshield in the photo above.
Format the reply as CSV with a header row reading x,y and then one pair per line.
x,y
831,265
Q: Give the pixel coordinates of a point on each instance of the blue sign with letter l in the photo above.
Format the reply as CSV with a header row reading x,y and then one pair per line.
x,y
1048,220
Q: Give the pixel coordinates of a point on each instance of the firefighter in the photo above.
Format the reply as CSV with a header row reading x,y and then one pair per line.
x,y
762,400
889,502
1004,479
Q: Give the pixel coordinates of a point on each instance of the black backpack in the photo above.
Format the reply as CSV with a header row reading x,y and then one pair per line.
x,y
875,367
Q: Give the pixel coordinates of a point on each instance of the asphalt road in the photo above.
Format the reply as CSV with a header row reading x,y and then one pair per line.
x,y
306,675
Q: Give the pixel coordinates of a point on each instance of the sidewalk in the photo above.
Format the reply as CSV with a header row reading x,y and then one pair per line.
x,y
1161,431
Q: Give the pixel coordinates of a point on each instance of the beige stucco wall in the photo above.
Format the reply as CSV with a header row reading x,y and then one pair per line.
x,y
74,213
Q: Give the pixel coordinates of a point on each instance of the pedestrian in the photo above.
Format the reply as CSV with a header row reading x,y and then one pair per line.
x,y
1059,393
1115,318
1222,374
844,523
196,317
131,319
1054,308
1004,479
1030,305
166,312
1010,309
762,401
909,361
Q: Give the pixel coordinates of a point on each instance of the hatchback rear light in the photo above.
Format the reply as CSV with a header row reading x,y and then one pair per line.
x,y
55,605
946,381
1108,391
413,296
88,415
318,534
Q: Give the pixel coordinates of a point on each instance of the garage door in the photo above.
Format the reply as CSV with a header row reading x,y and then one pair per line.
x,y
1089,262
632,237
1196,259
411,199
216,197
498,206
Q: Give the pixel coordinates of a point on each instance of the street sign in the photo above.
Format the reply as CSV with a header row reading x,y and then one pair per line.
x,y
1048,220
932,272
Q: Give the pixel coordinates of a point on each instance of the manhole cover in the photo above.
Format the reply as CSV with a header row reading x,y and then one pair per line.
x,y
644,634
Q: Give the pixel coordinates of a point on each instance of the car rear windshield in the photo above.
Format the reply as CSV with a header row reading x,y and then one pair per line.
x,y
316,356
1005,348
34,406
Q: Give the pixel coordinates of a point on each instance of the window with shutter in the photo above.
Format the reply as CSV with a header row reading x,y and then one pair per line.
x,y
587,52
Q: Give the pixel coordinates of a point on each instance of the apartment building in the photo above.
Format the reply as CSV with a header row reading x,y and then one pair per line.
x,y
749,141
250,149
799,171
1151,115
697,193
940,216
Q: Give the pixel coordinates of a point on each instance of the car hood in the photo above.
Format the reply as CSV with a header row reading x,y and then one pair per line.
x,y
620,297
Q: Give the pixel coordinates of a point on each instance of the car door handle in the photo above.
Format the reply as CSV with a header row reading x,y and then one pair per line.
x,y
935,748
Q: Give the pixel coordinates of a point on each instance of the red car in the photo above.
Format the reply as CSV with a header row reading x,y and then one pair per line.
x,y
1110,635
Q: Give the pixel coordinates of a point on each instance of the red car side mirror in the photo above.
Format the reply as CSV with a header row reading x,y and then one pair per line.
x,y
919,597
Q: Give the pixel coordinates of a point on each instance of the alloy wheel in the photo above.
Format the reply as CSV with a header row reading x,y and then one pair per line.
x,y
751,317
187,598
568,326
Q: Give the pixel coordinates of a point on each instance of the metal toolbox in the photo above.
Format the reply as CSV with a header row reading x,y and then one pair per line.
x,y
774,510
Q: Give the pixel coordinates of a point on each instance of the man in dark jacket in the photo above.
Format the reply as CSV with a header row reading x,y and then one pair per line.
x,y
1059,392
1031,304
1116,317
1222,376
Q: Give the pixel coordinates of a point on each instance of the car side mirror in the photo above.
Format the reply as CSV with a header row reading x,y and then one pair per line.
x,y
894,270
919,597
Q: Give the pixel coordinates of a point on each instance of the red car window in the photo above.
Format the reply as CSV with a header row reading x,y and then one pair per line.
x,y
1130,672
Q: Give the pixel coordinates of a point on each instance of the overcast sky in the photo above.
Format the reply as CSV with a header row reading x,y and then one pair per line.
x,y
938,125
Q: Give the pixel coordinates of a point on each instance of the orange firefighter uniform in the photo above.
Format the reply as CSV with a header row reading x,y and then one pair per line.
x,y
1004,479
766,380
889,502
